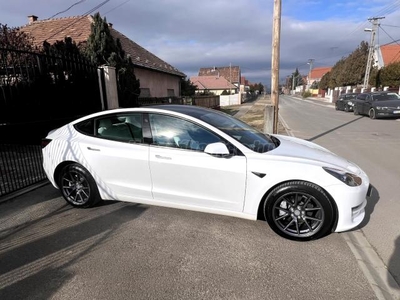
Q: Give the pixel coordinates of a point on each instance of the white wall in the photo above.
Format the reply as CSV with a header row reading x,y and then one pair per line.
x,y
229,100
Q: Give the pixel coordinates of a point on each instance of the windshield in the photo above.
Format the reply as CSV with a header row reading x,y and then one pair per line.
x,y
386,96
242,132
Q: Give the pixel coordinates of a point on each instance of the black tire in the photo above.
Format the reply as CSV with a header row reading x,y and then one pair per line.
x,y
336,107
300,211
355,110
346,108
78,187
372,114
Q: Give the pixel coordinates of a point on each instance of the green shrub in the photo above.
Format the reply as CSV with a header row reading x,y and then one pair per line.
x,y
306,94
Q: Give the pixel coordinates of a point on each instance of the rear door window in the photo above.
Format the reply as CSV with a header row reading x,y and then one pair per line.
x,y
120,127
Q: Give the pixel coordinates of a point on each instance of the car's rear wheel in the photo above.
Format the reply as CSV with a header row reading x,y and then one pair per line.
x,y
336,106
78,187
372,114
300,211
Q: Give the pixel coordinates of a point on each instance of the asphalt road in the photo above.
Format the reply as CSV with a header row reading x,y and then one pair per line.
x,y
49,250
372,144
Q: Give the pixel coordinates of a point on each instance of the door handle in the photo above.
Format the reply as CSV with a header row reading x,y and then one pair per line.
x,y
163,157
93,149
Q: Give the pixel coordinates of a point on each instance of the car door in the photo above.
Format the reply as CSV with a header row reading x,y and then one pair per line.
x,y
184,175
339,103
359,103
117,156
367,104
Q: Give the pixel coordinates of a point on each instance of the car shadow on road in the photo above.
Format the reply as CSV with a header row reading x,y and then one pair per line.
x,y
372,200
333,129
394,265
38,255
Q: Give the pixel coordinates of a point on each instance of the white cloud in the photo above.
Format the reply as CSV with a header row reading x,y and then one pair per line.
x,y
190,34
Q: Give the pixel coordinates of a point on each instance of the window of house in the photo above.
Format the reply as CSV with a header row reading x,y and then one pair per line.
x,y
171,92
145,92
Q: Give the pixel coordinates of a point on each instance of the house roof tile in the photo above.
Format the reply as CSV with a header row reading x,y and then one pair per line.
x,y
318,73
211,82
230,73
390,54
79,29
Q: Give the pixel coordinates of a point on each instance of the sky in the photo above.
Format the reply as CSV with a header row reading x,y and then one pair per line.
x,y
194,34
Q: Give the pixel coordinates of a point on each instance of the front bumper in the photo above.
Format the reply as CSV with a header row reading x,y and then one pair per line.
x,y
351,203
388,113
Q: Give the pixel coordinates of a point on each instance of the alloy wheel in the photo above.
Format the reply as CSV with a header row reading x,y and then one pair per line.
x,y
298,214
372,113
75,187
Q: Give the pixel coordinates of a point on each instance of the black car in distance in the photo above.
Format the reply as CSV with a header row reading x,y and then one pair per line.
x,y
378,105
346,102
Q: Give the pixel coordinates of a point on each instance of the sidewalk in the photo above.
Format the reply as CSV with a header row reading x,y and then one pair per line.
x,y
253,113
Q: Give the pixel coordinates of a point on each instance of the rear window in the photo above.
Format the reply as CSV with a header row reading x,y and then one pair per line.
x,y
86,127
386,96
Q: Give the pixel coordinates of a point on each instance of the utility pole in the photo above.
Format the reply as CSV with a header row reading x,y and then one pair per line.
x,y
310,62
293,83
375,23
276,36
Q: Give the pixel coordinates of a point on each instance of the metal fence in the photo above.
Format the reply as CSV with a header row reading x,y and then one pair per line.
x,y
38,93
20,167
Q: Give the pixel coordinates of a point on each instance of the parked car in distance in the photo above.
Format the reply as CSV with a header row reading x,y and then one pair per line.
x,y
346,102
378,105
194,158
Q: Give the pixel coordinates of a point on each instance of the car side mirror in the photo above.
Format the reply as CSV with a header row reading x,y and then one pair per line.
x,y
217,149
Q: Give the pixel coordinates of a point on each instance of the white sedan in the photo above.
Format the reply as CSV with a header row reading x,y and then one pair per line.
x,y
200,159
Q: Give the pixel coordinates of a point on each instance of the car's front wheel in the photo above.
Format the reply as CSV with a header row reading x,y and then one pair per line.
x,y
78,186
372,113
355,110
300,211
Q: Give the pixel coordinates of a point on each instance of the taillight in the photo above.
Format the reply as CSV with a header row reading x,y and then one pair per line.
x,y
45,142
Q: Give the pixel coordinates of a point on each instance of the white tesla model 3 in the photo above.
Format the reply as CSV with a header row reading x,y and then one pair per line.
x,y
200,159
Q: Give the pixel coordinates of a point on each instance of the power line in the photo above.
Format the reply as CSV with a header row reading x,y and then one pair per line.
x,y
389,35
395,57
387,25
390,8
395,41
118,6
76,3
83,16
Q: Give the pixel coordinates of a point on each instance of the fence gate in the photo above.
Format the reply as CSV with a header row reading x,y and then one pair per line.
x,y
37,94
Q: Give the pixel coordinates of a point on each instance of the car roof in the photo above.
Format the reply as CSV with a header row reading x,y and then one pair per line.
x,y
381,93
190,110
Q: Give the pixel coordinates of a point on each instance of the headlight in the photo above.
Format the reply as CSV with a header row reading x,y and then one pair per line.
x,y
345,177
350,103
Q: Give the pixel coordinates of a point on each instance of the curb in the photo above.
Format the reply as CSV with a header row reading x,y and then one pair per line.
x,y
23,191
372,266
378,276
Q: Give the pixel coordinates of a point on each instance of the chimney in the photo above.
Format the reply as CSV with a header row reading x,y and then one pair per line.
x,y
32,19
110,25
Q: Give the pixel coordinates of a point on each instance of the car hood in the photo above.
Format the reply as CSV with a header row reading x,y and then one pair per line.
x,y
296,148
388,103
